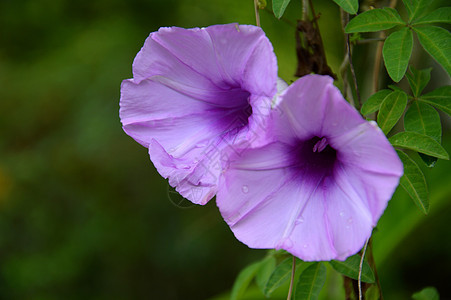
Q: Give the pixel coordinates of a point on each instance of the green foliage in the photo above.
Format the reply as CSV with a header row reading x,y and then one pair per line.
x,y
280,274
420,143
424,119
440,15
279,6
374,20
415,7
243,280
374,102
428,293
349,6
311,282
414,183
350,268
264,272
397,50
391,110
440,98
418,79
437,42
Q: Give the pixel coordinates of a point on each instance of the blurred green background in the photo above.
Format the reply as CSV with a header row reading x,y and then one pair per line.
x,y
85,215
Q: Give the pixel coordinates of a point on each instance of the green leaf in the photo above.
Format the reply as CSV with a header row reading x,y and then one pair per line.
x,y
280,274
350,268
416,7
372,293
243,280
374,102
429,293
374,20
391,110
397,50
422,118
420,143
441,15
414,183
311,282
418,79
437,42
264,272
395,88
349,6
279,6
440,98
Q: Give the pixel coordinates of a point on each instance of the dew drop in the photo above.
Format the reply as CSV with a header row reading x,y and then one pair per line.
x,y
245,189
334,124
299,220
347,226
350,220
342,214
305,246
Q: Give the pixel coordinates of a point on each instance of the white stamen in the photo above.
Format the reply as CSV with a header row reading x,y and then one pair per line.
x,y
320,145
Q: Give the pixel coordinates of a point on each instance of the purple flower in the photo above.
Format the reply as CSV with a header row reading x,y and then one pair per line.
x,y
319,187
194,93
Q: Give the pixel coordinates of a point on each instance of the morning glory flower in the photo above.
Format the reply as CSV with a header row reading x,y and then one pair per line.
x,y
195,92
319,186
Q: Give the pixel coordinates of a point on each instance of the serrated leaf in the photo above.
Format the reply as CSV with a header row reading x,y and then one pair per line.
x,y
418,79
311,282
415,7
441,15
437,42
414,183
374,102
243,280
374,20
391,110
350,268
440,98
280,274
397,50
349,6
420,143
264,272
279,6
429,293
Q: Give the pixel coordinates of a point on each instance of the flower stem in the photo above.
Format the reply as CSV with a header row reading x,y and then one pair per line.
x,y
359,280
293,270
257,15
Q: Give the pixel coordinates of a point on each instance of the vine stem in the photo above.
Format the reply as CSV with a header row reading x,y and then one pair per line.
x,y
359,280
293,270
378,58
257,15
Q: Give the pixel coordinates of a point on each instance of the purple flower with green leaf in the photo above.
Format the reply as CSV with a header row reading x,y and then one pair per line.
x,y
194,93
319,186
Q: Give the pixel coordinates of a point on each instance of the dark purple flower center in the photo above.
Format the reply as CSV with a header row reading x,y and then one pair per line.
x,y
315,157
237,115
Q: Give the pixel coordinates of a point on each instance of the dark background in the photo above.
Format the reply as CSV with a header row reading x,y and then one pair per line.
x,y
85,215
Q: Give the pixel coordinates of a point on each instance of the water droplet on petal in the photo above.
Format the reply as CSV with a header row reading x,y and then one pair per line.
x,y
350,220
245,189
299,220
342,214
334,124
347,226
305,246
